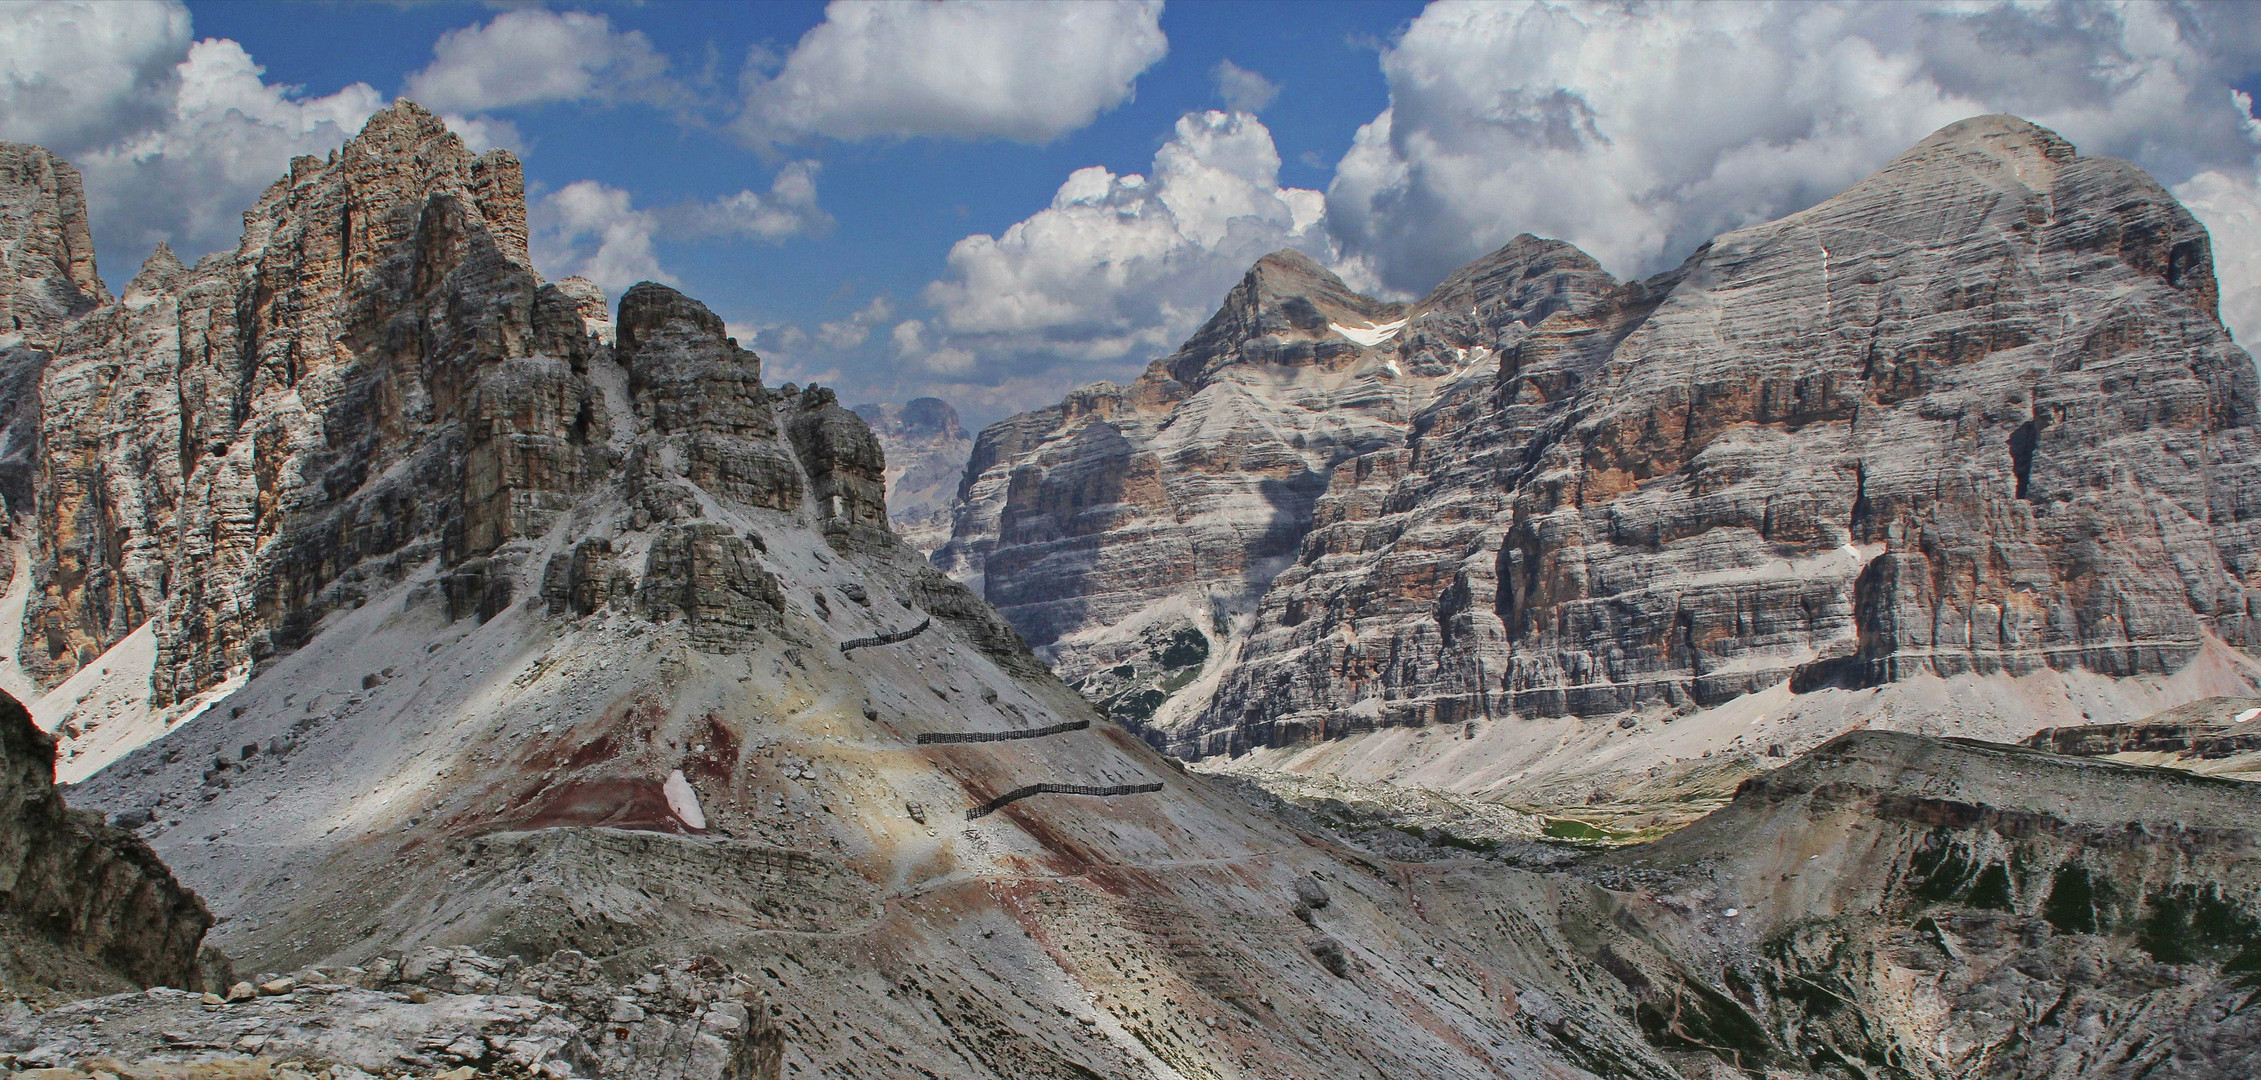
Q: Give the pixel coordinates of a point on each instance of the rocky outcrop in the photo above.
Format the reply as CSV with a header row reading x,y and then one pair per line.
x,y
375,381
584,663
107,491
47,279
1159,511
84,907
45,245
1890,898
847,470
1975,415
2217,736
927,450
453,1013
372,378
584,580
686,375
708,576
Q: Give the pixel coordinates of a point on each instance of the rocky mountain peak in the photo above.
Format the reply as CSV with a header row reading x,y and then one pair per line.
x,y
589,302
2012,140
161,273
1287,310
46,250
1534,277
684,370
1719,488
377,323
917,419
573,712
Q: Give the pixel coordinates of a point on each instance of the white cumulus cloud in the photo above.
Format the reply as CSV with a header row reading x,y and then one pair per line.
x,y
597,231
88,74
1243,90
175,137
789,209
962,69
531,56
1117,269
1505,119
856,329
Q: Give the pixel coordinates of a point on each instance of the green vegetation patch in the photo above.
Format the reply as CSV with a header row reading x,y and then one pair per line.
x,y
1185,647
1992,889
1579,832
1697,1017
1136,708
2078,902
1941,868
2190,923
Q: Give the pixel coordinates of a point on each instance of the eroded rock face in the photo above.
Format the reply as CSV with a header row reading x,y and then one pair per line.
x,y
1974,415
784,739
685,373
847,469
375,381
84,908
927,450
580,582
45,245
454,1012
708,576
372,378
47,279
1166,506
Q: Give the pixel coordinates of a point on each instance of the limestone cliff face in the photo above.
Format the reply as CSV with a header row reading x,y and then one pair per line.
x,y
1888,897
44,244
1129,530
372,378
1976,414
927,450
47,278
375,381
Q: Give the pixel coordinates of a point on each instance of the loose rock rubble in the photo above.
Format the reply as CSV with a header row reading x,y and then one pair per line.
x,y
446,1014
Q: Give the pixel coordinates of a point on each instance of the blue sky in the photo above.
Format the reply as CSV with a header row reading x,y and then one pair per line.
x,y
997,202
897,204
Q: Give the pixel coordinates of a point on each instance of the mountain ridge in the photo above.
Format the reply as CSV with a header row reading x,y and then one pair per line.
x,y
545,693
1672,494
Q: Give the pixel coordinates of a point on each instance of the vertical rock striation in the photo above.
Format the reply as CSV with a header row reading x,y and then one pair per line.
x,y
375,381
1975,415
47,279
1128,531
372,378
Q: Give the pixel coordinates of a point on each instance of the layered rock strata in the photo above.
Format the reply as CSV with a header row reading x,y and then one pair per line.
x,y
1976,415
47,279
452,1013
588,738
1126,529
84,907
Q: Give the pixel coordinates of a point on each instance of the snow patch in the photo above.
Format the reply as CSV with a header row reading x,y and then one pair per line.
x,y
683,802
1369,335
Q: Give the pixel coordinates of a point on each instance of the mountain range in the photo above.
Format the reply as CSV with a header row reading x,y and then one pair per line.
x,y
459,674
1964,449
